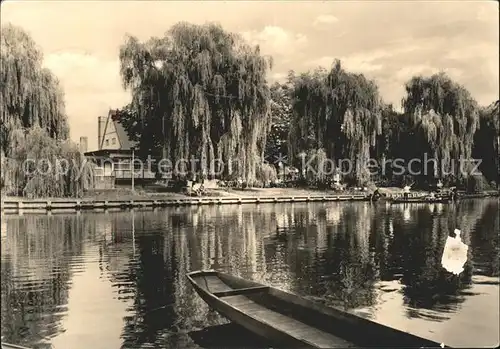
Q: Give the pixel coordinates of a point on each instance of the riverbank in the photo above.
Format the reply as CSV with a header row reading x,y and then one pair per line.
x,y
141,194
73,205
126,199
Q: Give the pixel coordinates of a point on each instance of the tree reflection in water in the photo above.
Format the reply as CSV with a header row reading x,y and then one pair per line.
x,y
336,253
420,243
35,278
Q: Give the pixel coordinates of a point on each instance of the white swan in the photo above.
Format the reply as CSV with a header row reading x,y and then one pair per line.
x,y
454,254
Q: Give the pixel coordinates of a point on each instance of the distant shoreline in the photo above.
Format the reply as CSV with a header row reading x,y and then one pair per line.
x,y
141,194
76,205
116,200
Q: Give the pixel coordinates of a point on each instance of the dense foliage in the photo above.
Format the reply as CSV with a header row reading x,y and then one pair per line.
x,y
34,127
199,92
396,141
30,94
339,112
486,142
38,166
445,118
315,116
277,140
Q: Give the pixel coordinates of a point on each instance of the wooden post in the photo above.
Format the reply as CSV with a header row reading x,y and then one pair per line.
x,y
132,168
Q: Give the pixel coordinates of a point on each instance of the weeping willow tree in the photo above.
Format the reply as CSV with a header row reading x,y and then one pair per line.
x,y
31,95
444,117
202,92
339,112
34,128
38,166
317,168
487,142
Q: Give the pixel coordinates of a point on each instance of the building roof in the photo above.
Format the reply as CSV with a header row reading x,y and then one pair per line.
x,y
109,153
125,142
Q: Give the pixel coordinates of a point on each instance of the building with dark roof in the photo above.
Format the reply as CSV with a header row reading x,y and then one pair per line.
x,y
112,135
114,154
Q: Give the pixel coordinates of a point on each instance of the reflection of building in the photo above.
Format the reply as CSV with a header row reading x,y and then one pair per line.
x,y
114,154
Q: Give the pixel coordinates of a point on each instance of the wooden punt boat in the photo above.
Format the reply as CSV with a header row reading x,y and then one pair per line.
x,y
288,320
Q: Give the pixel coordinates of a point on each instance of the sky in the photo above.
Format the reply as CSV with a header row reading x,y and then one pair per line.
x,y
388,41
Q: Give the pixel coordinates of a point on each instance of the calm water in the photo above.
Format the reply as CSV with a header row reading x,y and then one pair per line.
x,y
117,280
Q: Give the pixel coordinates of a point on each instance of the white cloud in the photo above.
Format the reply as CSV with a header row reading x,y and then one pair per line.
x,y
275,40
92,85
360,66
324,20
476,51
370,56
280,77
407,72
325,62
366,61
84,72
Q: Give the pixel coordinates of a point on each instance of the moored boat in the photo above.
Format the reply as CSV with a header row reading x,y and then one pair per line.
x,y
422,199
292,321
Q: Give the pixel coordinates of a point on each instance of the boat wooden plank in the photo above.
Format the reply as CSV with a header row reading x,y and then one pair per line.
x,y
214,284
286,324
239,302
241,291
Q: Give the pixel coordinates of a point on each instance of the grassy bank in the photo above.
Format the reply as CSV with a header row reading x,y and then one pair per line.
x,y
141,194
119,200
123,194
